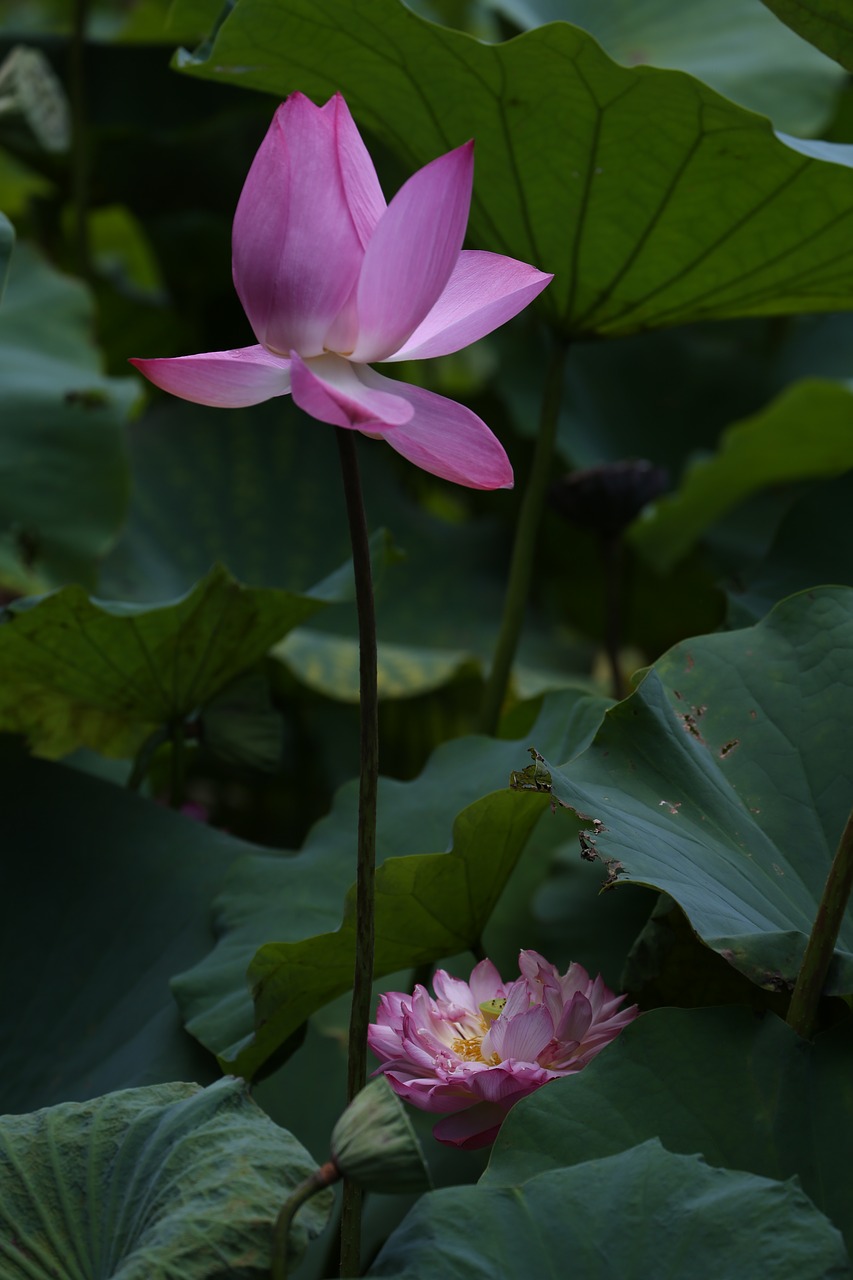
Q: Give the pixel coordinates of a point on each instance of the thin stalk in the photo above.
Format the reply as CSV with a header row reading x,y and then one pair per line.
x,y
79,140
524,548
612,554
178,766
324,1176
368,785
802,1011
144,756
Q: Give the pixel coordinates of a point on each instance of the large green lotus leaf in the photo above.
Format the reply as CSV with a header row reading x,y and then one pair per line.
x,y
108,21
826,23
745,1093
735,46
291,900
669,1208
724,780
108,895
84,672
63,469
653,200
806,431
170,1180
812,545
428,905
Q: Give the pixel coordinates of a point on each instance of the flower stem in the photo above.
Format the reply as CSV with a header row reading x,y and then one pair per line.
x,y
178,766
612,552
521,564
324,1176
368,784
144,756
79,140
802,1011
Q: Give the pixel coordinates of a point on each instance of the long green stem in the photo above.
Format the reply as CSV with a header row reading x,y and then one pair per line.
x,y
144,756
524,548
612,552
178,766
802,1011
79,141
324,1176
368,785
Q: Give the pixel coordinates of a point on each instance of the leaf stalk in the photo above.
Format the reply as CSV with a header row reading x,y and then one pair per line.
x,y
803,1009
524,547
322,1177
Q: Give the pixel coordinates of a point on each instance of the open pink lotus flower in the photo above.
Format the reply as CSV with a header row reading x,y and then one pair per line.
x,y
479,1046
332,279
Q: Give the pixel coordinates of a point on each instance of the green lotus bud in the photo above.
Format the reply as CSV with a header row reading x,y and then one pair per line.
x,y
374,1144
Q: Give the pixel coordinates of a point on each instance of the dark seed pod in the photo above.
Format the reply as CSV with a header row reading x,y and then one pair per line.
x,y
606,499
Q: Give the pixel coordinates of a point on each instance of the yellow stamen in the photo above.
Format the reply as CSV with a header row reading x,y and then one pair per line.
x,y
472,1050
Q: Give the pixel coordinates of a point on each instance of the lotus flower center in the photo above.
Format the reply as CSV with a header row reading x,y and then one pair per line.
x,y
470,1048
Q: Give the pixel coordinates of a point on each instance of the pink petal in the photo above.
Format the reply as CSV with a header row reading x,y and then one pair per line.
x,y
384,1042
412,253
331,389
391,1007
476,1127
485,982
443,437
535,967
576,1019
296,248
518,999
361,186
484,291
429,1095
523,1037
453,991
225,379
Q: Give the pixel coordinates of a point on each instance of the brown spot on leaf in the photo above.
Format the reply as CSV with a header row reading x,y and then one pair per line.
x,y
691,726
728,747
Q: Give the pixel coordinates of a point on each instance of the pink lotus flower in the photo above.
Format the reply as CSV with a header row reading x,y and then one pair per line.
x,y
332,279
481,1045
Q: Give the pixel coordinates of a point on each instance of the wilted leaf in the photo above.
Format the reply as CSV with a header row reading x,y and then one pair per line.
x,y
164,1181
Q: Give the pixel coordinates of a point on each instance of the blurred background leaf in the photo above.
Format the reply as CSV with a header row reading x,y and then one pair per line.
x,y
64,479
826,23
806,432
112,894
